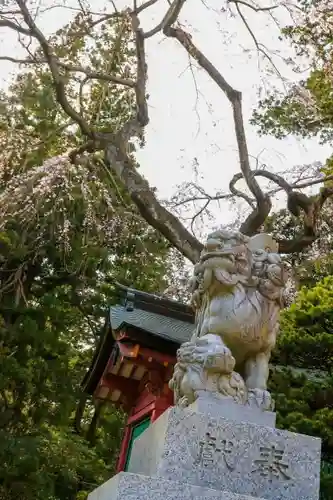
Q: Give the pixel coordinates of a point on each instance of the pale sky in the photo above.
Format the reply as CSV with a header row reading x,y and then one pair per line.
x,y
178,133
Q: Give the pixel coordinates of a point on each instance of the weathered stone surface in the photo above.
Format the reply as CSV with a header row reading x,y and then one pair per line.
x,y
237,287
228,408
223,454
126,486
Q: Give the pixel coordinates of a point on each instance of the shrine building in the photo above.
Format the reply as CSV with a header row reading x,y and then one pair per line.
x,y
134,360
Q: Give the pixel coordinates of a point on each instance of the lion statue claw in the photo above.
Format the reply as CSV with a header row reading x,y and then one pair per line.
x,y
237,293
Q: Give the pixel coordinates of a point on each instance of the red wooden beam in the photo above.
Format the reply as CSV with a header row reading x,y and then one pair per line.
x,y
124,448
135,350
124,385
153,410
163,359
152,360
129,350
140,415
161,404
148,358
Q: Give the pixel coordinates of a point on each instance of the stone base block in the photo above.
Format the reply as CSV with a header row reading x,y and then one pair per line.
x,y
223,454
233,411
125,486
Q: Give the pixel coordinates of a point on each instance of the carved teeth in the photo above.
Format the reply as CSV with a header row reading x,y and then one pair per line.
x,y
224,254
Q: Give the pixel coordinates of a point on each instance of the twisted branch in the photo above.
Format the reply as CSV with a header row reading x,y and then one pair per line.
x,y
263,203
117,147
93,75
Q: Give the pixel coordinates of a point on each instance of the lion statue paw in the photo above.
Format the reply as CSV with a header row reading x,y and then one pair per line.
x,y
259,398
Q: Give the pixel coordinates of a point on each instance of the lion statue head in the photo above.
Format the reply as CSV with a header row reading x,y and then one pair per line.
x,y
230,258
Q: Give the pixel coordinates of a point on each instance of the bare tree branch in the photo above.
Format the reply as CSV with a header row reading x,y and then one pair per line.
x,y
253,7
264,205
118,150
302,185
58,80
144,6
258,46
116,154
149,207
141,74
237,193
93,75
202,209
6,23
169,19
297,203
308,235
227,196
118,159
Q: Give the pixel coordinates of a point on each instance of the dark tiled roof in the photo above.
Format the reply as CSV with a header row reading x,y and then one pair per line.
x,y
136,299
156,324
168,324
100,360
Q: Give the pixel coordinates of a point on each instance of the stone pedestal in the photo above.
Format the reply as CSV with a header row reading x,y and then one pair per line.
x,y
190,454
126,486
227,408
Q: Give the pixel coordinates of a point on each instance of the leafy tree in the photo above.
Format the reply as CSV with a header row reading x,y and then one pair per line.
x,y
307,108
313,263
68,231
109,144
303,391
301,377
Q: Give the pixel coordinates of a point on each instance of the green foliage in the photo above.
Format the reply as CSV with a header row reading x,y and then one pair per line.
x,y
304,404
302,377
313,263
48,465
67,233
307,109
302,380
307,328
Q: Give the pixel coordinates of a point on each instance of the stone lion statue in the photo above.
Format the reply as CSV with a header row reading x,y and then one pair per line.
x,y
237,289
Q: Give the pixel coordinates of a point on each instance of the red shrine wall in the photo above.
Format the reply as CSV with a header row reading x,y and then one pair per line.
x,y
148,407
137,381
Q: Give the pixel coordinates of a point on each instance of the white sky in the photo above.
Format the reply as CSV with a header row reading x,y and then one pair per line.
x,y
177,133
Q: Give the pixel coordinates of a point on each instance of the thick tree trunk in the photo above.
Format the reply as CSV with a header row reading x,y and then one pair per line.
x,y
149,206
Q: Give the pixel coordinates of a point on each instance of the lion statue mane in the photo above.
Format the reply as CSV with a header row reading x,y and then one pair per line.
x,y
237,294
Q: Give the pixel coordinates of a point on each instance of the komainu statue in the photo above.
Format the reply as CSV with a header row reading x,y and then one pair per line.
x,y
237,290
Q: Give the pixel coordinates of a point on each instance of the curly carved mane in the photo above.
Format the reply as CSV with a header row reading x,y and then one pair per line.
x,y
237,288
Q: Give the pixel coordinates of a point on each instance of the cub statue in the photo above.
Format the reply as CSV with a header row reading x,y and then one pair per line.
x,y
237,294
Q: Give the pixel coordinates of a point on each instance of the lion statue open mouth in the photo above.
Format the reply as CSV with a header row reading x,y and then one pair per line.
x,y
237,290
